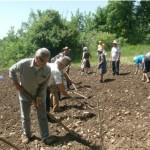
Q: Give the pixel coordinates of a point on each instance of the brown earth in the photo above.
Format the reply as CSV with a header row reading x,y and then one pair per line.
x,y
116,115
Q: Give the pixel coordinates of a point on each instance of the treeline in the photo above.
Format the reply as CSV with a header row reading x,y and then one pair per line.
x,y
127,21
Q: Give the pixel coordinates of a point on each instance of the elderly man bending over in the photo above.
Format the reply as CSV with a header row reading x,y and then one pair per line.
x,y
31,86
57,70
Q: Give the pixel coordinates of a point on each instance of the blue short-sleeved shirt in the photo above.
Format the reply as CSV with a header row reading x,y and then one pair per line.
x,y
138,59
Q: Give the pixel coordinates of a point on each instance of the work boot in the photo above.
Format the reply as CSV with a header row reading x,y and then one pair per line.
x,y
50,140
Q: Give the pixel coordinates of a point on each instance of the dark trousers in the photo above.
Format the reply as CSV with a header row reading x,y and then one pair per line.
x,y
48,101
115,67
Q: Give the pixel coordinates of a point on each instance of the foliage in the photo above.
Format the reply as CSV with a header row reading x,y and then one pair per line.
x,y
44,29
100,19
126,21
129,51
143,19
90,39
121,19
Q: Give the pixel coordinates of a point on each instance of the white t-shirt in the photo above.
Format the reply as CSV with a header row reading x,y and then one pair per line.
x,y
115,53
56,74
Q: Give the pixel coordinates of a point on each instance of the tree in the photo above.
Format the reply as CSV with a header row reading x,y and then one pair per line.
x,y
143,19
121,19
100,19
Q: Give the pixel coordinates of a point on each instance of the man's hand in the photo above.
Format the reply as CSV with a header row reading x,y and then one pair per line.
x,y
37,102
18,86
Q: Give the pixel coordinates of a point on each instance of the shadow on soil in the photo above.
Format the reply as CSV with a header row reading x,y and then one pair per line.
x,y
109,80
67,107
83,117
124,73
84,86
73,136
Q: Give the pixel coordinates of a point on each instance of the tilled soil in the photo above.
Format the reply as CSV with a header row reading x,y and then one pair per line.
x,y
115,115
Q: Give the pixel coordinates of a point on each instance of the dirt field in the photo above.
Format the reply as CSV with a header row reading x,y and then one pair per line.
x,y
116,115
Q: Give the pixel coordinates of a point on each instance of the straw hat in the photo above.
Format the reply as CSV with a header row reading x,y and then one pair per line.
x,y
114,42
100,42
85,49
66,48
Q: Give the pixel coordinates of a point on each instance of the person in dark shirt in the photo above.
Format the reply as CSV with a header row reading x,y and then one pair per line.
x,y
85,62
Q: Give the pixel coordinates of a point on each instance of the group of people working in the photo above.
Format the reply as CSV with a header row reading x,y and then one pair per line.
x,y
141,61
102,62
39,81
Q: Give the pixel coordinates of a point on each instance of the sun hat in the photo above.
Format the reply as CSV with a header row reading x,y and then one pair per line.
x,y
85,48
100,42
66,48
114,42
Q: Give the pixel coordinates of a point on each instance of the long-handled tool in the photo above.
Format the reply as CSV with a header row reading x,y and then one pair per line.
x,y
53,118
82,102
77,93
10,144
60,123
73,134
71,80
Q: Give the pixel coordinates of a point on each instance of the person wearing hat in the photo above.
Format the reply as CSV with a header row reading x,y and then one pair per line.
x,y
85,62
65,52
138,61
30,76
102,66
115,58
57,70
99,46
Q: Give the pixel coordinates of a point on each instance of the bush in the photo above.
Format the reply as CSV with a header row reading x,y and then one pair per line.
x,y
147,39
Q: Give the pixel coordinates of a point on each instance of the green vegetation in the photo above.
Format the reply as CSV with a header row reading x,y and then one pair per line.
x,y
126,21
129,51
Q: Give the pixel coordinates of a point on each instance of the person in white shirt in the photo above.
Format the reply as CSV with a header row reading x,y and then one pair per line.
x,y
115,58
57,71
65,52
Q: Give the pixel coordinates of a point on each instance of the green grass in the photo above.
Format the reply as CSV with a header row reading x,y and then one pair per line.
x,y
129,51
